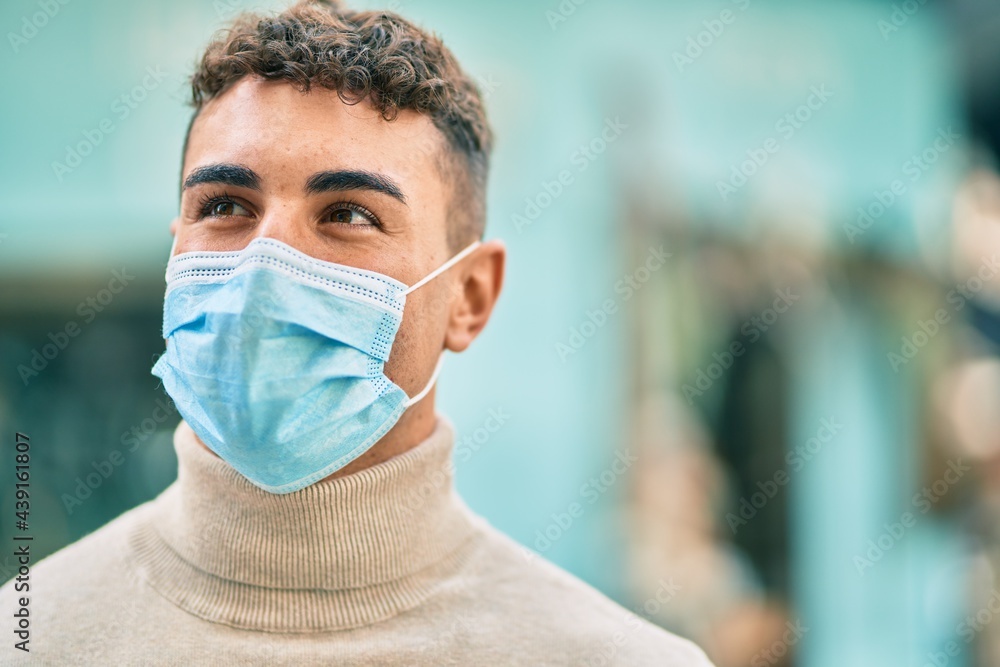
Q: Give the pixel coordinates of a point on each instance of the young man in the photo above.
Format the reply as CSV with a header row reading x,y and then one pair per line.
x,y
326,254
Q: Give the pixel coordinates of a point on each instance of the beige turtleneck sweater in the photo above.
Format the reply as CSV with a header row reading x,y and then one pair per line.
x,y
383,567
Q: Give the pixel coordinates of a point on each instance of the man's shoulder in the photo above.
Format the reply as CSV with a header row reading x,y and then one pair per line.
x,y
78,595
97,561
547,601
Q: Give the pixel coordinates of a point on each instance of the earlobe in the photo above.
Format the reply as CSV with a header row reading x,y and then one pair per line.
x,y
479,291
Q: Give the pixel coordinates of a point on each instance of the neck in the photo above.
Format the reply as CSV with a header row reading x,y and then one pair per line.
x,y
341,553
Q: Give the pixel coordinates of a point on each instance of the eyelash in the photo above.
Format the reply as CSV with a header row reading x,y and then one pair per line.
x,y
357,208
208,201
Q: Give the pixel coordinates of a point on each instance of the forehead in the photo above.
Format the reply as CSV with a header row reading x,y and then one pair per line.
x,y
284,133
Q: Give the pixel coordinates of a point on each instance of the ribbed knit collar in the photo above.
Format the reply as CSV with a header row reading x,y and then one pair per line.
x,y
337,554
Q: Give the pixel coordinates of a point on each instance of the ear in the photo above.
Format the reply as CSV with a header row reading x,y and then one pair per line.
x,y
477,293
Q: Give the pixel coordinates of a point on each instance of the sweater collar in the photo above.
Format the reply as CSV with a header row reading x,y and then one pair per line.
x,y
337,554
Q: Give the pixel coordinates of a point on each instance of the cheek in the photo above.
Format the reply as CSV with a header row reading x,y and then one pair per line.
x,y
420,338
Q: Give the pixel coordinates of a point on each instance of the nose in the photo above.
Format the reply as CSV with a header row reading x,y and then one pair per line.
x,y
287,223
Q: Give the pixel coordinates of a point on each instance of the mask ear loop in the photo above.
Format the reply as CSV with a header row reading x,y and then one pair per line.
x,y
444,267
420,283
430,383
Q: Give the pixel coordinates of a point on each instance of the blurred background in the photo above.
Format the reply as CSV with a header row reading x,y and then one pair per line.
x,y
750,323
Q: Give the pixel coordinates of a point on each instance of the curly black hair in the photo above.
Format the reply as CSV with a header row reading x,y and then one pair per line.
x,y
378,57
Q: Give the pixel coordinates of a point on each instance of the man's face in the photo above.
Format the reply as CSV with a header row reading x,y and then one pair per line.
x,y
337,182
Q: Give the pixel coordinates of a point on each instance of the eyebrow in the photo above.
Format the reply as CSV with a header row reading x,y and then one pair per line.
x,y
333,181
324,181
225,174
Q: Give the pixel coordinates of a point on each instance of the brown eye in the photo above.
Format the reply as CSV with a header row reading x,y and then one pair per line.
x,y
351,215
344,215
224,208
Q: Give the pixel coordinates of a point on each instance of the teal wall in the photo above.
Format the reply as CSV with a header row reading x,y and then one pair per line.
x,y
552,88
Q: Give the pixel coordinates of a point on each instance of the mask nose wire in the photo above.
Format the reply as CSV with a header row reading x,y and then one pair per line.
x,y
444,267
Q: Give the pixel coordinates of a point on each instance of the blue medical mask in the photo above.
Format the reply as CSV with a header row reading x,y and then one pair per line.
x,y
276,359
